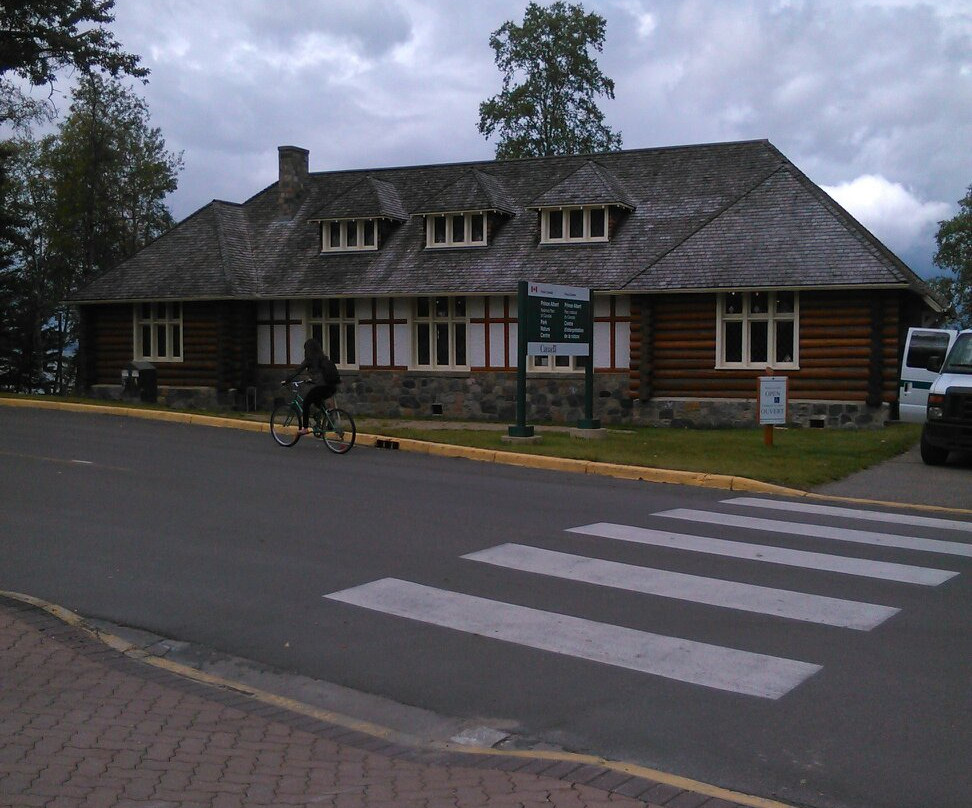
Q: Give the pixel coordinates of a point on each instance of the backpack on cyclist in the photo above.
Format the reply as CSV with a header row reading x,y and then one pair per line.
x,y
330,371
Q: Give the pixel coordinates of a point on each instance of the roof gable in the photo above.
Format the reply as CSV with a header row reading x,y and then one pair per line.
x,y
591,184
475,190
369,198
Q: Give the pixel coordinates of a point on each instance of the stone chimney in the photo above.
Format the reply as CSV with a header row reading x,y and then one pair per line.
x,y
293,178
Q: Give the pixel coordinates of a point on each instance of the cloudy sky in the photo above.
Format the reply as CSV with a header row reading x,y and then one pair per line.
x,y
871,98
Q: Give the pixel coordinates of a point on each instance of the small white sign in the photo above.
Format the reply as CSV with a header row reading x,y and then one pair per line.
x,y
558,292
772,400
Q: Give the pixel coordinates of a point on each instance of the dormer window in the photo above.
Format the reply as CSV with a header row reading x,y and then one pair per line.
x,y
348,235
455,230
573,224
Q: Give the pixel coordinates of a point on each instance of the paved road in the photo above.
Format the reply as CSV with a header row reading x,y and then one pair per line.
x,y
841,686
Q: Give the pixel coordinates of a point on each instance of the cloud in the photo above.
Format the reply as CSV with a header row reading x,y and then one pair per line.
x,y
889,210
847,89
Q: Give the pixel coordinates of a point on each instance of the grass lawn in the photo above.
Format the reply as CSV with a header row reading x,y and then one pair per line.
x,y
799,458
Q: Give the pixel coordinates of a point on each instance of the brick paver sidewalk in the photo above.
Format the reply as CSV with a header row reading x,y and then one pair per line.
x,y
84,725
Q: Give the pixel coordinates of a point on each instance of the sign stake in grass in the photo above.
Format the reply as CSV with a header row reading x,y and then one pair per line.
x,y
772,404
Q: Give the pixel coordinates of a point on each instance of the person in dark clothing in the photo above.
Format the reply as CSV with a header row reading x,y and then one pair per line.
x,y
323,375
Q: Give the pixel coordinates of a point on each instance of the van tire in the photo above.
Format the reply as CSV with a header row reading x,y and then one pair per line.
x,y
932,455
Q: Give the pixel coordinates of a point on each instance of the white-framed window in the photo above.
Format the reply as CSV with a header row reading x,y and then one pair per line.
x,y
158,331
758,329
280,332
441,327
333,323
574,224
348,235
455,230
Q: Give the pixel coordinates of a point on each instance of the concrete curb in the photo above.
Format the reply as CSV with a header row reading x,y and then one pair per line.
x,y
646,474
546,462
703,791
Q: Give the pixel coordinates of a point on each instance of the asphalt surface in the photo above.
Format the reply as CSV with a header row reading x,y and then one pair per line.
x,y
906,479
953,487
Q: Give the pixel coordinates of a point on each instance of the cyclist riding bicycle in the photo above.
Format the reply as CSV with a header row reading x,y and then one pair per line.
x,y
324,375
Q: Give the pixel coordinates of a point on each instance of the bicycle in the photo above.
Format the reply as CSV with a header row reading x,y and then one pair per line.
x,y
331,424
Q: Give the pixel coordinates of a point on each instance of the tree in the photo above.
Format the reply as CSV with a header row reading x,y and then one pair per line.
x,y
40,37
12,219
550,84
27,283
69,208
93,194
112,174
954,255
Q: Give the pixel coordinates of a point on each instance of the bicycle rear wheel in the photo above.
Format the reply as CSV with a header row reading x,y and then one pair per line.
x,y
285,424
339,431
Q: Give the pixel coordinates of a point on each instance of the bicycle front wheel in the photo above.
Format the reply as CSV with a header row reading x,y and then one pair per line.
x,y
339,431
285,424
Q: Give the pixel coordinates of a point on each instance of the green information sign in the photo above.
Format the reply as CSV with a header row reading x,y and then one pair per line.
x,y
558,321
554,321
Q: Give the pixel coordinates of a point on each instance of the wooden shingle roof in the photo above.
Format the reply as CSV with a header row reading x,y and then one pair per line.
x,y
713,216
591,184
370,198
473,191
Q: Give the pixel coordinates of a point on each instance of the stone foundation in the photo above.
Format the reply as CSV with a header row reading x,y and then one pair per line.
x,y
490,396
734,412
178,398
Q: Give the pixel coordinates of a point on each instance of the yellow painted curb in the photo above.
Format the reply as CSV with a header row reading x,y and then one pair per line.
x,y
469,452
410,445
633,769
643,473
376,730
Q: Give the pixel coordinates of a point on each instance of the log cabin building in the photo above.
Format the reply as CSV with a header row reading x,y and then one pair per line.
x,y
708,264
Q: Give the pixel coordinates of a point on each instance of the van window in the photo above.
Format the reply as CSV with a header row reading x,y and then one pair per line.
x,y
924,346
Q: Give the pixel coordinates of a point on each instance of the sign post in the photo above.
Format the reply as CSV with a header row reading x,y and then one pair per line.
x,y
521,430
589,421
772,404
553,321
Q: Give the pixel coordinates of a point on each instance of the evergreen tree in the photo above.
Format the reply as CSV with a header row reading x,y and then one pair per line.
x,y
40,37
111,174
28,285
91,195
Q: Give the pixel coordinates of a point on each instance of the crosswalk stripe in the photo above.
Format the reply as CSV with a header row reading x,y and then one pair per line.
x,y
852,513
711,591
688,661
884,570
821,531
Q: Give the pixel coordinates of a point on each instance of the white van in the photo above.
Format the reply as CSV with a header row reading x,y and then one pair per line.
x,y
949,424
924,348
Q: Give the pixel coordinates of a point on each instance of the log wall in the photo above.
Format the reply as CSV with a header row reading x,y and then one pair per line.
x,y
107,342
218,345
849,348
